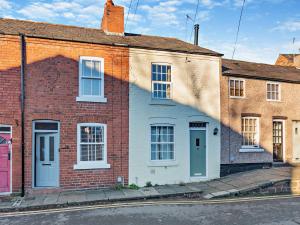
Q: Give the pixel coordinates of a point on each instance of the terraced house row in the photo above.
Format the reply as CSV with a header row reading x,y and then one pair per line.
x,y
88,108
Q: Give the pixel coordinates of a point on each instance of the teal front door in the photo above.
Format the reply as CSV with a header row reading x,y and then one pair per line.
x,y
198,153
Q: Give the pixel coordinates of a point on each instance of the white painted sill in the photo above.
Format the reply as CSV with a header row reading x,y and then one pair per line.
x,y
251,150
91,166
162,163
91,99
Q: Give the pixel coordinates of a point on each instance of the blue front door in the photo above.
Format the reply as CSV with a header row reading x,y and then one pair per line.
x,y
197,153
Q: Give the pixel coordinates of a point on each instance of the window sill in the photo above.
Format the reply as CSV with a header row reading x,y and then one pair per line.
x,y
167,102
91,166
91,99
251,150
162,163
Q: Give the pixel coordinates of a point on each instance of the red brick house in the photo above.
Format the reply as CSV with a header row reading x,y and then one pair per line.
x,y
75,118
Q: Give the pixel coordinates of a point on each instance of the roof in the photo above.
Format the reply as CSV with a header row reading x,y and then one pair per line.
x,y
260,71
97,36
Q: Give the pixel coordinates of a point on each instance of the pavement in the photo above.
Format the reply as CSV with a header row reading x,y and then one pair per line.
x,y
280,210
227,186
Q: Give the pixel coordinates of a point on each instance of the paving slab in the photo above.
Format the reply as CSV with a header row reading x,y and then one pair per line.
x,y
51,198
70,197
149,191
95,195
112,194
132,193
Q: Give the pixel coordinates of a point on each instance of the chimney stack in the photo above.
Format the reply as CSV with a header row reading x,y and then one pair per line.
x,y
196,37
113,19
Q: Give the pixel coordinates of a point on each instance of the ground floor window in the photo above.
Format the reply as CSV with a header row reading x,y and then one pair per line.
x,y
250,132
91,144
162,142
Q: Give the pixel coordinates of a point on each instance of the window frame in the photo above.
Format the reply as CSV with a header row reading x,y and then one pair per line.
x,y
91,98
164,161
257,146
91,164
237,79
279,91
162,82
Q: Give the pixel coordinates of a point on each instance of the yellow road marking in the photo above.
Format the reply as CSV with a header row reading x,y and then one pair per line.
x,y
150,203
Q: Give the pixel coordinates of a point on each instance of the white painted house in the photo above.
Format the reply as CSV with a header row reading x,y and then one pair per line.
x,y
174,116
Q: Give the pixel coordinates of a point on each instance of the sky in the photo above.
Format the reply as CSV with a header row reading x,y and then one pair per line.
x,y
268,27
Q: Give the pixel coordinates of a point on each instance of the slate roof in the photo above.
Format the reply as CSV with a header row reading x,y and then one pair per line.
x,y
97,36
260,71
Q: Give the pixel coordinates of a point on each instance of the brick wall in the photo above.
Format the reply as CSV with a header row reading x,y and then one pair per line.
x,y
51,91
10,113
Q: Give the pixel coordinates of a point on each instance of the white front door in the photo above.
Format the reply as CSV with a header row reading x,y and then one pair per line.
x,y
296,141
47,160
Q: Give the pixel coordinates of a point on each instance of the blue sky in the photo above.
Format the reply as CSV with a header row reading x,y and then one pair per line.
x,y
267,29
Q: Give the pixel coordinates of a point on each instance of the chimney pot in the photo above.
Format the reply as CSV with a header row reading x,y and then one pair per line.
x,y
196,35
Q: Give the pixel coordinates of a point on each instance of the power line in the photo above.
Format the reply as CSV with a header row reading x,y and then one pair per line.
x,y
136,7
238,30
195,17
128,13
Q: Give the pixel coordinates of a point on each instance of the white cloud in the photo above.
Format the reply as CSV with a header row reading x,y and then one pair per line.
x,y
290,25
71,12
5,5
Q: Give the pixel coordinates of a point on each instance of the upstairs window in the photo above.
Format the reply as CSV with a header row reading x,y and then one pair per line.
x,y
237,88
161,81
91,79
250,132
273,91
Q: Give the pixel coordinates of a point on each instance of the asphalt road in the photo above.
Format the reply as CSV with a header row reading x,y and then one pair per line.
x,y
283,211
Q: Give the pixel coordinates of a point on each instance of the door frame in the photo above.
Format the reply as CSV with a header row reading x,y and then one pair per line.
x,y
33,168
11,161
283,138
206,143
293,150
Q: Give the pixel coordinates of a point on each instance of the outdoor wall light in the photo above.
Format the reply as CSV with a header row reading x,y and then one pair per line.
x,y
216,131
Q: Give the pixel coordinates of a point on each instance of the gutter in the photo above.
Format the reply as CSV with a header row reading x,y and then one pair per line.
x,y
22,99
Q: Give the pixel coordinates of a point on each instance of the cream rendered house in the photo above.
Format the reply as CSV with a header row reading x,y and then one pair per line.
x,y
174,114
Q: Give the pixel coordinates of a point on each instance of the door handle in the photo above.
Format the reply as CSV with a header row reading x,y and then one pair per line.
x,y
8,156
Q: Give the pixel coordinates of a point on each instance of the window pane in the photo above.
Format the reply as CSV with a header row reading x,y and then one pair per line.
x,y
84,153
46,126
96,87
99,152
51,149
87,68
42,149
96,72
86,86
4,129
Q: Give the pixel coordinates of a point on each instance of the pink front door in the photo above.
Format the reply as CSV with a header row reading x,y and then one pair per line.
x,y
4,163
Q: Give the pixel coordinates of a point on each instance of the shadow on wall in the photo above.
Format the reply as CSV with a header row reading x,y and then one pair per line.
x,y
51,91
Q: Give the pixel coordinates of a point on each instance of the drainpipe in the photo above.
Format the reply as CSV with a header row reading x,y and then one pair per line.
x,y
23,64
